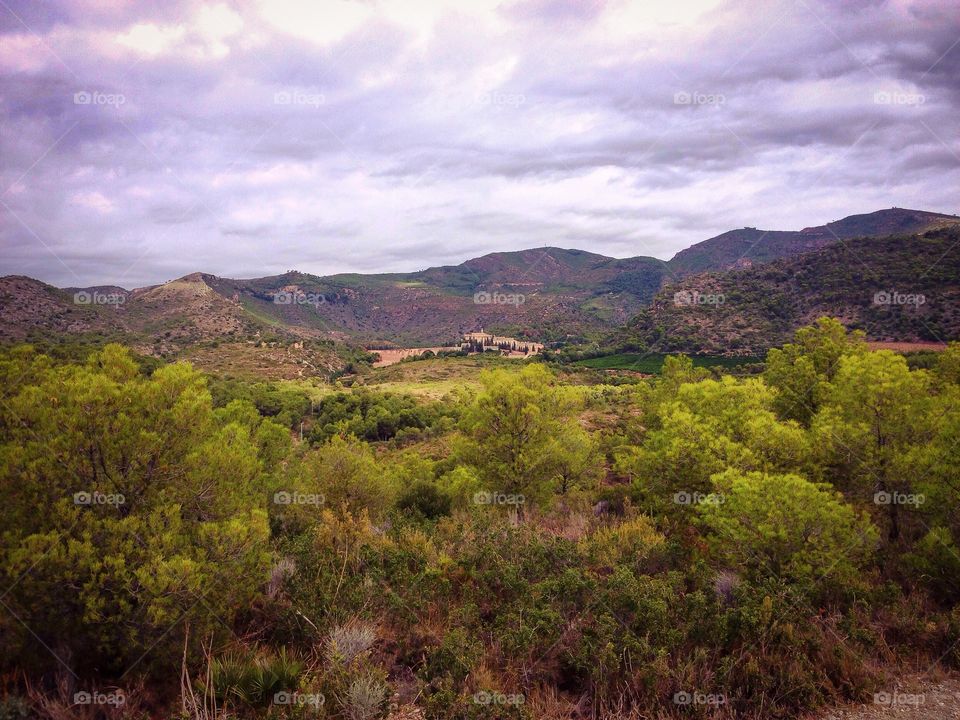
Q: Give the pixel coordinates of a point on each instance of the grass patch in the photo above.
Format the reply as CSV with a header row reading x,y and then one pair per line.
x,y
435,377
653,363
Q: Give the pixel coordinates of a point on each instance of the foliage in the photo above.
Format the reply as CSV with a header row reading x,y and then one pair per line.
x,y
785,527
344,474
373,416
425,499
702,428
513,434
694,532
875,411
128,500
349,641
802,370
285,405
364,698
254,680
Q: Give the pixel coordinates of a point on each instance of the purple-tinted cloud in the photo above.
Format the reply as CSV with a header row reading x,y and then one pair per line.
x,y
141,143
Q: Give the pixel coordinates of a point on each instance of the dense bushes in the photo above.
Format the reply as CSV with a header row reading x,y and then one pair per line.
x,y
285,405
127,501
371,415
544,550
807,536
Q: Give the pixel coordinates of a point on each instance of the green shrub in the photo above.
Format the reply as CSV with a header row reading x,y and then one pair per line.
x,y
785,527
373,416
254,680
935,561
424,499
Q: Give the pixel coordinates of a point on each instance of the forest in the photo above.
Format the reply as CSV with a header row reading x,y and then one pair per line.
x,y
697,543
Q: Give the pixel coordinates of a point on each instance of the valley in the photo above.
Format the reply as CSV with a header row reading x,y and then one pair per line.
x,y
606,453
773,282
485,360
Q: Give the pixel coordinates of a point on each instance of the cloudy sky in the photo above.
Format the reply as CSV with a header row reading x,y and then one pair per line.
x,y
141,141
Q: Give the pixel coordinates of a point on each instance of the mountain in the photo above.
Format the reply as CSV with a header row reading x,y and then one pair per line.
x,y
544,294
745,247
28,306
897,288
547,293
184,318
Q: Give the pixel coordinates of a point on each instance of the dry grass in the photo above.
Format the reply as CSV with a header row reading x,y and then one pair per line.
x,y
262,363
347,642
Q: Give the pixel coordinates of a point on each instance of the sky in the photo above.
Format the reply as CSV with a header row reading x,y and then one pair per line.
x,y
142,141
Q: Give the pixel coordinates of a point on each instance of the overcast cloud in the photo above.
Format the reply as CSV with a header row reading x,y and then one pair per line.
x,y
143,141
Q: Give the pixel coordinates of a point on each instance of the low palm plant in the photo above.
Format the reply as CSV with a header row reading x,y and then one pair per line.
x,y
254,680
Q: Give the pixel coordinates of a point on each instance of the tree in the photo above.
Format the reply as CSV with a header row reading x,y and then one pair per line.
x,y
935,461
874,412
577,460
510,431
128,501
677,370
343,473
948,364
710,426
801,371
787,527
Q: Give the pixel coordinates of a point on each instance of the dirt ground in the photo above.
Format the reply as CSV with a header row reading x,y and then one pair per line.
x,y
389,357
913,699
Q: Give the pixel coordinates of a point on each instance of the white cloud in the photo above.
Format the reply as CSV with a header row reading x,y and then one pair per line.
x,y
151,39
93,200
318,22
448,129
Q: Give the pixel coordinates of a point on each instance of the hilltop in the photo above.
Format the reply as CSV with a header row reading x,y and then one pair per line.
x,y
898,288
748,246
544,294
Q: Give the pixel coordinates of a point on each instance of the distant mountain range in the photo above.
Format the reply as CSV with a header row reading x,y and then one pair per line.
x,y
902,288
743,248
772,279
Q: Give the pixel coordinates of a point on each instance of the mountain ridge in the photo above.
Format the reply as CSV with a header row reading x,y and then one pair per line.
x,y
893,291
887,221
746,246
542,294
